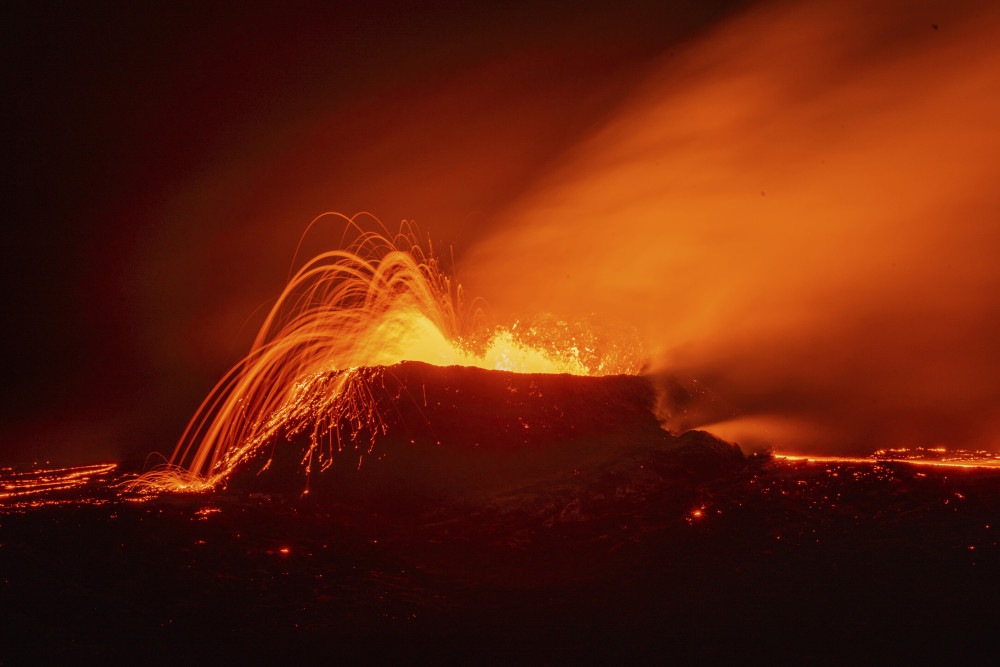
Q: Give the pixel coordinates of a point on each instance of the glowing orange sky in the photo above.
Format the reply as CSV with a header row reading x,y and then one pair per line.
x,y
799,211
794,203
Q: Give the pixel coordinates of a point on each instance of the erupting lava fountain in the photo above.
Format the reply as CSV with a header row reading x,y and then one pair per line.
x,y
331,371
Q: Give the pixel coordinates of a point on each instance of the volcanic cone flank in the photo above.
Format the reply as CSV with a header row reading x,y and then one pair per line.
x,y
448,432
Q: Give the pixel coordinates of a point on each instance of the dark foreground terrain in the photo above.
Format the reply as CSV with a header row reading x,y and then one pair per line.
x,y
642,557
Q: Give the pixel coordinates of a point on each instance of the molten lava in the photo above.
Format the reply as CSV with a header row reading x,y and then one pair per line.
x,y
42,481
343,316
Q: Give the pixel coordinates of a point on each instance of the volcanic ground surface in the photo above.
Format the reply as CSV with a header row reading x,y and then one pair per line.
x,y
453,432
656,547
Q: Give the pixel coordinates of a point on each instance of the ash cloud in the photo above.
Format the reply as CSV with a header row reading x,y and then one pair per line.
x,y
799,212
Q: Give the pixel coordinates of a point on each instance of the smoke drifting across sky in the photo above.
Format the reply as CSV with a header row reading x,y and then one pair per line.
x,y
165,158
578,157
801,212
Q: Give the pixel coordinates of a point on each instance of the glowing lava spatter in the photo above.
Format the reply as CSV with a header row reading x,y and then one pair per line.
x,y
342,318
41,480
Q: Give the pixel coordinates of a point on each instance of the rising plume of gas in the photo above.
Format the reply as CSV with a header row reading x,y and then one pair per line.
x,y
800,213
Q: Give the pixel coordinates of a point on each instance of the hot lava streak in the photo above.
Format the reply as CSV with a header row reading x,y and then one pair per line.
x,y
318,363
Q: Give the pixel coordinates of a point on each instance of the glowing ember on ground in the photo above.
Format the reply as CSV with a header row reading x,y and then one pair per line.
x,y
750,562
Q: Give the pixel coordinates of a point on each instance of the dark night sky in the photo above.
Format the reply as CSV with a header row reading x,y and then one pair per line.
x,y
162,161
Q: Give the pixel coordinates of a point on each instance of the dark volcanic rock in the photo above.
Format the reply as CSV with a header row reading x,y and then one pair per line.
x,y
466,432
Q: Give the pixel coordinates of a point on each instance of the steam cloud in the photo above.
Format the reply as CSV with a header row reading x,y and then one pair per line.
x,y
799,211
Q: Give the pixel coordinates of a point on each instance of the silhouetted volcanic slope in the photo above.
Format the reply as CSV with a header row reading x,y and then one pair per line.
x,y
459,431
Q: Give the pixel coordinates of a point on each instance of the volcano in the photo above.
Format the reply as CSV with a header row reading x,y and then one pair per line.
x,y
445,433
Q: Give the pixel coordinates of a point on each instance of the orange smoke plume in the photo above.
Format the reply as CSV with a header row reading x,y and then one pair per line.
x,y
800,212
